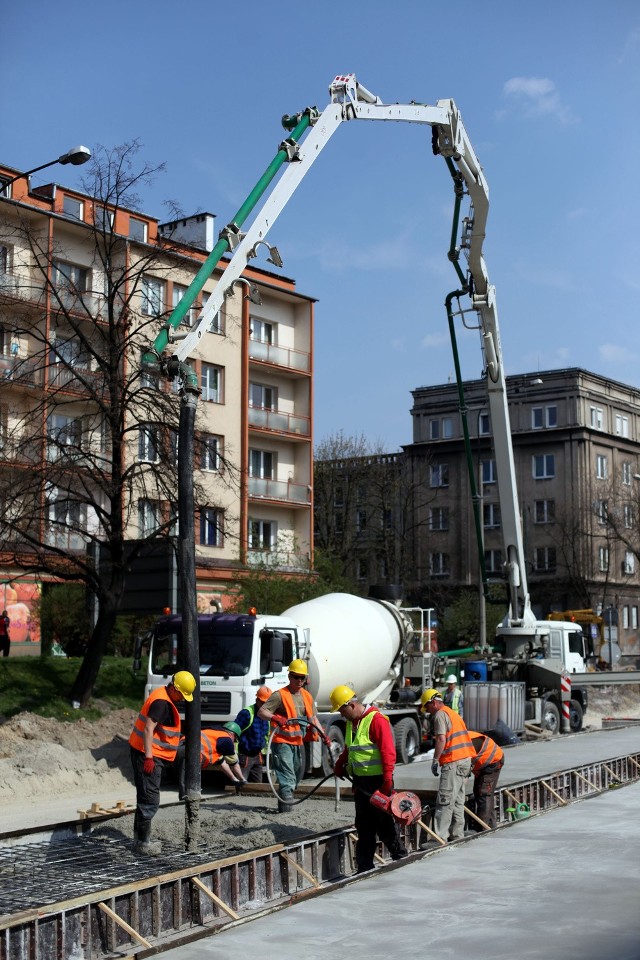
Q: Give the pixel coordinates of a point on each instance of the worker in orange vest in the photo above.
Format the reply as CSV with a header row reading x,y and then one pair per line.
x,y
217,752
452,757
287,744
486,767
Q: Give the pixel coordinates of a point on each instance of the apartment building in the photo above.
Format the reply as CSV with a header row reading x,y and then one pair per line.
x,y
81,278
576,440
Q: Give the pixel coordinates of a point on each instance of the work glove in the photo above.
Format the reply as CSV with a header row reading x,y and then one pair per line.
x,y
340,767
387,787
149,765
239,785
434,769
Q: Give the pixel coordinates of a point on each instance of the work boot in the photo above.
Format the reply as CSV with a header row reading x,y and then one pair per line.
x,y
285,802
144,846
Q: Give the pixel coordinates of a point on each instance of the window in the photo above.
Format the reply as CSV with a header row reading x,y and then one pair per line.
x,y
545,559
148,444
71,353
484,425
625,618
542,417
192,314
262,534
211,527
440,475
602,467
488,471
544,511
491,516
597,418
439,518
73,208
210,452
441,429
152,296
439,564
361,520
211,382
102,218
4,256
544,466
603,559
63,433
628,515
634,618
493,561
338,496
69,276
148,517
629,563
215,323
5,188
362,569
137,230
263,397
262,464
262,331
626,474
601,512
622,425
386,520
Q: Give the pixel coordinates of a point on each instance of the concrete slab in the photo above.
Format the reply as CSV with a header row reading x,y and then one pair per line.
x,y
560,886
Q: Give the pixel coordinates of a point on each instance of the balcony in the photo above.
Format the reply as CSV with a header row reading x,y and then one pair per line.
x,y
78,380
26,372
21,287
279,356
285,490
279,422
278,559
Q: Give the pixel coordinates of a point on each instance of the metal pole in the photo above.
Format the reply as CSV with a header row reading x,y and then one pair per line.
x,y
610,641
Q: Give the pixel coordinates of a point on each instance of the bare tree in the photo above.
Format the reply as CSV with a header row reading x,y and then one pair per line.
x,y
88,474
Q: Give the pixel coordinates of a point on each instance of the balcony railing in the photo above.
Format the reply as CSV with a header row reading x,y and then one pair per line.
x,y
24,371
76,379
23,288
277,558
279,490
280,422
280,356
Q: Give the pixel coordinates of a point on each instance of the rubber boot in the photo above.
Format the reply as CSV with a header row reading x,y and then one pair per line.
x,y
144,846
286,804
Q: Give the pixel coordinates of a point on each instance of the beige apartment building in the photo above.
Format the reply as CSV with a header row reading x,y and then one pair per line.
x,y
576,440
73,270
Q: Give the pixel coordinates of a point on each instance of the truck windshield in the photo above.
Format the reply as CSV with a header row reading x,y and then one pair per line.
x,y
221,654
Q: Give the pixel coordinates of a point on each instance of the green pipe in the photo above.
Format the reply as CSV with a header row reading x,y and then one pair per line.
x,y
457,653
221,247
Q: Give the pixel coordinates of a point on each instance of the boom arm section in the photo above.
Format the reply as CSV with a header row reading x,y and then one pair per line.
x,y
351,101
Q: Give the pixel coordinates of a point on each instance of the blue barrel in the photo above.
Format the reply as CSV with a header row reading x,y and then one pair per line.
x,y
475,671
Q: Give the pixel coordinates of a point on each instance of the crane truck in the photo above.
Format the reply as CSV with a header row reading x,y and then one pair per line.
x,y
539,656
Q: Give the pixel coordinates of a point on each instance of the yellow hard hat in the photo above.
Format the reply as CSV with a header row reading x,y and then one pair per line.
x,y
339,696
298,666
185,683
428,696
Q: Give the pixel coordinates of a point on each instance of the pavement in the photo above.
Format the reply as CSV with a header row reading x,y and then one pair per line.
x,y
564,885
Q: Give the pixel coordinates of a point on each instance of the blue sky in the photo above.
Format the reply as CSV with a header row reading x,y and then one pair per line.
x,y
549,93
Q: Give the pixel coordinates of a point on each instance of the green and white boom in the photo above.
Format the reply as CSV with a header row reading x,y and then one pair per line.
x,y
351,101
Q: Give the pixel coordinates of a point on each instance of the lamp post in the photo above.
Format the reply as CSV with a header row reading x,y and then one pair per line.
x,y
76,156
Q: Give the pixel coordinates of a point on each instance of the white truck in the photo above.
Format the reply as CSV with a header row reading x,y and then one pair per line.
x,y
528,651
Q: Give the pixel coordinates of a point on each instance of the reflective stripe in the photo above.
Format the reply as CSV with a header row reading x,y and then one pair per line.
x,y
165,738
292,733
458,744
363,755
488,753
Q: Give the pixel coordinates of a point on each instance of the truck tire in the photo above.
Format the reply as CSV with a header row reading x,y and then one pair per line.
x,y
550,717
336,735
575,716
407,740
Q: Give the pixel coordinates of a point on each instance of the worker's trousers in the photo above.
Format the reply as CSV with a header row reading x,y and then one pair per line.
x,y
373,823
252,767
484,787
147,791
288,765
449,817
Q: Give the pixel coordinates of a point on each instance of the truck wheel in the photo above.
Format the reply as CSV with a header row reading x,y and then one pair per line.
x,y
550,717
407,740
336,735
575,716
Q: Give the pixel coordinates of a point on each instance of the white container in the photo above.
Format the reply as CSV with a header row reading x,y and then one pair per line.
x,y
486,703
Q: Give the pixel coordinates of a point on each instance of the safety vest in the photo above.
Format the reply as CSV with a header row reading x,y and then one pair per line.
x,y
165,739
488,753
252,712
292,733
453,699
364,757
209,747
458,744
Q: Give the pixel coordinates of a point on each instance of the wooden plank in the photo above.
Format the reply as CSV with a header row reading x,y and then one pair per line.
x,y
223,906
551,790
121,923
485,826
300,869
431,832
588,782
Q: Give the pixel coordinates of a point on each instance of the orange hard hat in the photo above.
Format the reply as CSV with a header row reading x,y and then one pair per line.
x,y
263,693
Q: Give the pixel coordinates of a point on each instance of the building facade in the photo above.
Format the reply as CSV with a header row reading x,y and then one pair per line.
x,y
82,278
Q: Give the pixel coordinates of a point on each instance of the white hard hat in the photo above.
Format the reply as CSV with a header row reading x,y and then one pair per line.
x,y
452,678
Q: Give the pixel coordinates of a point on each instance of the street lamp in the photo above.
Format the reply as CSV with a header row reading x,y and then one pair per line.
x,y
75,156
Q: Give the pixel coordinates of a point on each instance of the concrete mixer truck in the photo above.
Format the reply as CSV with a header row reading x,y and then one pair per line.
x,y
367,644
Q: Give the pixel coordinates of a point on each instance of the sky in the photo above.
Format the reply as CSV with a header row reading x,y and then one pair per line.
x,y
549,94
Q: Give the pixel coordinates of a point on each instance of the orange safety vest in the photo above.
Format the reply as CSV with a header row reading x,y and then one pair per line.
x,y
209,747
488,753
458,744
165,739
292,733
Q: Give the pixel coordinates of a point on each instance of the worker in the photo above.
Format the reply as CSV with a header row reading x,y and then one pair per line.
x,y
369,758
252,733
288,704
486,767
452,696
452,756
154,741
5,639
217,752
